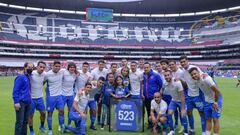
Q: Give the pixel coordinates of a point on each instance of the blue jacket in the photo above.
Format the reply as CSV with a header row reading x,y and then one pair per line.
x,y
21,89
152,83
107,89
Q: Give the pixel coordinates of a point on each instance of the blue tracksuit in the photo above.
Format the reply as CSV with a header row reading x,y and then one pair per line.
x,y
152,83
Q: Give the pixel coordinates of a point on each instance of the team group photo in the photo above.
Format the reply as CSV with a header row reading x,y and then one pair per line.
x,y
119,67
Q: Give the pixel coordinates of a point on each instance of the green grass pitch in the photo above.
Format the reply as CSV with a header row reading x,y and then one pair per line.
x,y
229,122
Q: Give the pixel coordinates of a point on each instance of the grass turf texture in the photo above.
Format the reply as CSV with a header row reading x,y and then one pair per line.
x,y
229,122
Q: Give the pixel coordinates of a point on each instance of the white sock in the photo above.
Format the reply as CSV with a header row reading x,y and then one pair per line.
x,y
208,132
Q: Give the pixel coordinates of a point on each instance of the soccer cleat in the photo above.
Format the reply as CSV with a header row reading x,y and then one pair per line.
x,y
62,130
191,132
32,133
50,132
43,130
181,130
171,132
93,127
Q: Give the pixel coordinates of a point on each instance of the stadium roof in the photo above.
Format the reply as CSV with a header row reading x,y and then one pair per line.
x,y
131,6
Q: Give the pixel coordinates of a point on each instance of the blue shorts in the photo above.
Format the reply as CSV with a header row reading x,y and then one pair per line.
x,y
68,100
195,102
37,104
92,104
167,99
54,102
210,112
174,105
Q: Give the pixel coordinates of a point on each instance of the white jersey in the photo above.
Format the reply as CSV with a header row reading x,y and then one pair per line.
x,y
205,85
135,80
68,83
37,84
54,83
140,70
82,101
159,108
178,74
174,87
96,73
193,90
82,79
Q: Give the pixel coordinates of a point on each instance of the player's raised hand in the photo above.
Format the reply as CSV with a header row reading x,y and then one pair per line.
x,y
17,106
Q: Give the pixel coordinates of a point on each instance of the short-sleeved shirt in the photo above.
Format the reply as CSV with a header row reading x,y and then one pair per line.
x,y
173,88
135,80
37,84
54,83
159,108
205,85
96,73
82,79
193,90
82,101
68,83
178,74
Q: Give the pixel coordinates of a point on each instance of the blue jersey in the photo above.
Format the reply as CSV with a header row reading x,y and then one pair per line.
x,y
126,82
107,89
121,91
22,89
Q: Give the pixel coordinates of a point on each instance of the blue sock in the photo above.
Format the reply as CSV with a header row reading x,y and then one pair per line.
x,y
170,122
69,120
191,121
99,119
60,119
185,124
176,117
165,126
31,128
203,122
42,124
83,125
92,117
49,120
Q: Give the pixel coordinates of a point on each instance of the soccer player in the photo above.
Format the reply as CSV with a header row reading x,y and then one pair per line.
x,y
54,79
22,99
213,100
37,80
194,97
141,65
92,101
124,64
83,77
178,100
152,83
177,74
136,80
78,110
158,113
99,71
69,78
113,69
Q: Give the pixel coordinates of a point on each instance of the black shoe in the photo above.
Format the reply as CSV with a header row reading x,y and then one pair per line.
x,y
93,127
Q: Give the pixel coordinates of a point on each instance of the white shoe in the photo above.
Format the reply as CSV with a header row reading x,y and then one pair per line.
x,y
50,132
185,133
171,132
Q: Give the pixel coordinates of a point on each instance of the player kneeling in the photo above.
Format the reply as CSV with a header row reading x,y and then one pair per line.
x,y
78,110
213,100
158,113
